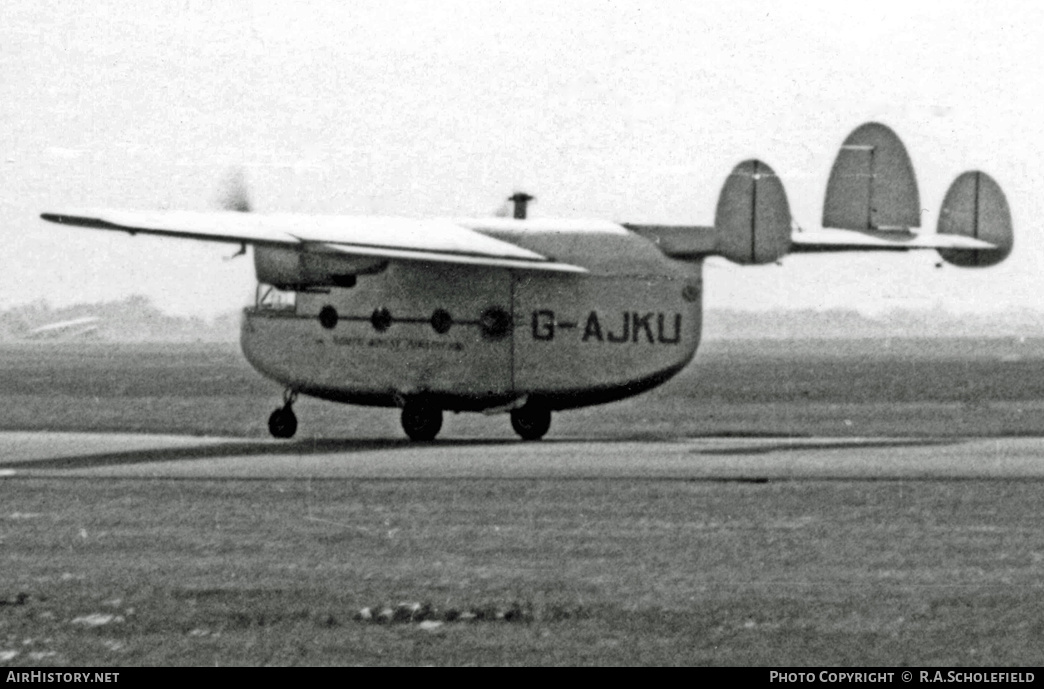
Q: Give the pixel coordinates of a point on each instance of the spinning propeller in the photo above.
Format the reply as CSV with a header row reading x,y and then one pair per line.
x,y
233,196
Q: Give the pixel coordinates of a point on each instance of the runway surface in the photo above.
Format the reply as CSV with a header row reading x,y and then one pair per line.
x,y
24,454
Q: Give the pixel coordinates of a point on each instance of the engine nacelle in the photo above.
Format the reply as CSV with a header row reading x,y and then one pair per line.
x,y
752,221
289,269
975,206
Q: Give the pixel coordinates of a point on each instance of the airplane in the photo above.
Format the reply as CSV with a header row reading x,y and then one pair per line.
x,y
70,329
531,316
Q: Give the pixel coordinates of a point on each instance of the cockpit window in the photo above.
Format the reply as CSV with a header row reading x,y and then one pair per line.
x,y
270,298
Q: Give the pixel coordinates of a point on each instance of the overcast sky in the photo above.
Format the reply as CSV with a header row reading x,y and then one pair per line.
x,y
630,111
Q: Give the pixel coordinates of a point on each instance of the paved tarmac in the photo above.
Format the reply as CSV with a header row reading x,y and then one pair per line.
x,y
25,454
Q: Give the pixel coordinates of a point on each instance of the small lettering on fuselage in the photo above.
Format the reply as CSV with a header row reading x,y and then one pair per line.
x,y
396,343
627,326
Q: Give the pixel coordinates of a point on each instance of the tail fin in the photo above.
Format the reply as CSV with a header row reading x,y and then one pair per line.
x,y
752,221
975,207
872,184
751,226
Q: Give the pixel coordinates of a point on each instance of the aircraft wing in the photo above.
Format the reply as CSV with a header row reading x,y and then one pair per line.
x,y
826,240
403,239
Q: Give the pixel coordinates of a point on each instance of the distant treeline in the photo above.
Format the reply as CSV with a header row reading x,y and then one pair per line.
x,y
850,324
136,319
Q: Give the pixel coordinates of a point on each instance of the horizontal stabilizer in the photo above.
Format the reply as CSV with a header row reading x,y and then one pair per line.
x,y
684,242
832,240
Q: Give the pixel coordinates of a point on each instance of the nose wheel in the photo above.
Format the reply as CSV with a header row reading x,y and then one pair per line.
x,y
531,422
283,422
422,422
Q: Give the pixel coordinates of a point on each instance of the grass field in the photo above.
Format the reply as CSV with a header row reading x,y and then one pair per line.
x,y
832,388
108,572
255,573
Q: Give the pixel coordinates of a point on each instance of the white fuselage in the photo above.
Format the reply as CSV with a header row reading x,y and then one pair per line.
x,y
477,338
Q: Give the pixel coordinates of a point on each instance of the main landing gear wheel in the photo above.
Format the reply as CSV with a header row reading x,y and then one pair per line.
x,y
421,422
283,423
531,422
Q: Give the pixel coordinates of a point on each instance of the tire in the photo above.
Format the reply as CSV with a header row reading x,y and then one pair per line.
x,y
531,423
282,423
421,422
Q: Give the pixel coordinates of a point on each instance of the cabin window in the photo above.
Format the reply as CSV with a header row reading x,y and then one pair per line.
x,y
271,298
